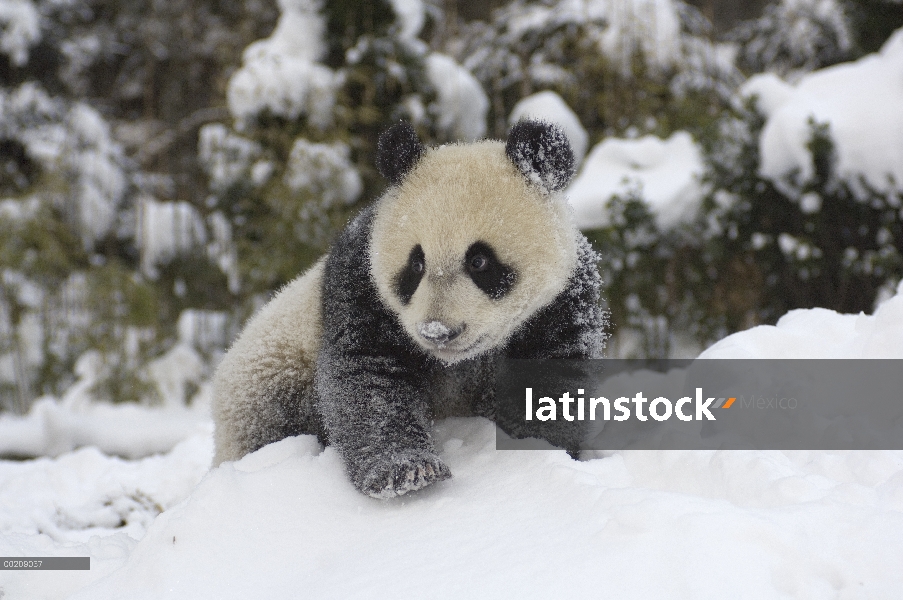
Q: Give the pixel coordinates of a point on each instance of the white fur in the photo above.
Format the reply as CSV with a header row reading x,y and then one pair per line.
x,y
457,195
278,346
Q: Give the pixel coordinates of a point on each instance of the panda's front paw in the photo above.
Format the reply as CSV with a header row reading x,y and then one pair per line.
x,y
402,473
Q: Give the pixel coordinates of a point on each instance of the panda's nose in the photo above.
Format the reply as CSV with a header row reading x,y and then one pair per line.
x,y
437,332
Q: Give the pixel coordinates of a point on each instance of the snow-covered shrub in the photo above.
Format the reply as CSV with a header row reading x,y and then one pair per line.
x,y
817,186
753,251
637,65
226,156
461,104
643,269
664,173
66,182
86,267
281,75
825,240
795,36
71,146
166,230
860,101
800,207
322,170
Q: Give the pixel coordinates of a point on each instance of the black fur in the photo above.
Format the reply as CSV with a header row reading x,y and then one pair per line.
x,y
408,279
398,151
542,153
570,326
493,277
378,390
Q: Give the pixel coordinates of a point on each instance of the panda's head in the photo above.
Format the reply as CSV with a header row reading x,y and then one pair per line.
x,y
472,239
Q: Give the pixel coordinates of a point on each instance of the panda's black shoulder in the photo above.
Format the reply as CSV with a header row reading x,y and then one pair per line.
x,y
348,262
574,324
354,318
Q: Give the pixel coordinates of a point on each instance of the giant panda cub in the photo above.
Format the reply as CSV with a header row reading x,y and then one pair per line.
x,y
470,255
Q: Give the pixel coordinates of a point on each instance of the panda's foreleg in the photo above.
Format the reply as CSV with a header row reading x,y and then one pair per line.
x,y
376,415
371,382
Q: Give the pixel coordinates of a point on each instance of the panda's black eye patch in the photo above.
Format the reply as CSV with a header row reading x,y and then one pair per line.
x,y
409,277
490,275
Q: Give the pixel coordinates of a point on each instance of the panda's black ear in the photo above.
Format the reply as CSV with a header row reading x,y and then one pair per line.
x,y
398,151
542,153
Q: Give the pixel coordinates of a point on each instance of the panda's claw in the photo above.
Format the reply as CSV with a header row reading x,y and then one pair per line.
x,y
404,473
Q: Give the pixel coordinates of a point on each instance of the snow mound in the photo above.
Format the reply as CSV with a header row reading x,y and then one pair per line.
x,y
88,504
462,104
821,333
861,101
632,525
626,524
550,107
664,172
280,73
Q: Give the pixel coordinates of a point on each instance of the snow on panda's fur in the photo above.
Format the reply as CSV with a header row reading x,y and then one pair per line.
x,y
471,255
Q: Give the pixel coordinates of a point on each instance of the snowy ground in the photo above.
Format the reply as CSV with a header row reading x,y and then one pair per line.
x,y
87,503
285,522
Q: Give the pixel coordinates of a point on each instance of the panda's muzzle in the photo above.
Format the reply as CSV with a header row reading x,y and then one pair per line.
x,y
438,333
